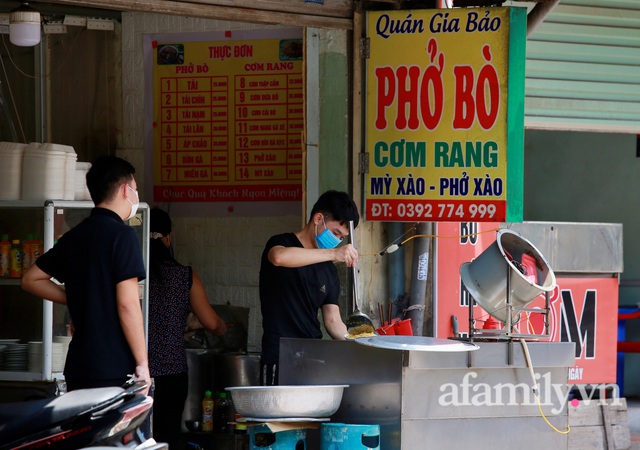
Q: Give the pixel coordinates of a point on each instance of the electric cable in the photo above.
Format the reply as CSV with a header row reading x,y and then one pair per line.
x,y
15,108
393,247
65,58
536,390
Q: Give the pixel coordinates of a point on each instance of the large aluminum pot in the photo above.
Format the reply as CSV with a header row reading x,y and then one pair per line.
x,y
271,402
236,370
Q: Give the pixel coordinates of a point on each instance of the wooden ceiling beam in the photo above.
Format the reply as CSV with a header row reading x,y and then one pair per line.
x,y
242,11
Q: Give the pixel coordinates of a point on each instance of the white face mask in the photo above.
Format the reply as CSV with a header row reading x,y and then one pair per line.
x,y
134,206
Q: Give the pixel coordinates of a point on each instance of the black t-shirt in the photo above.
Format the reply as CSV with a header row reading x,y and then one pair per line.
x,y
91,259
291,297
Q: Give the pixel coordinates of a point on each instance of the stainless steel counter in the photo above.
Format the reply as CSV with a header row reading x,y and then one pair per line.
x,y
480,399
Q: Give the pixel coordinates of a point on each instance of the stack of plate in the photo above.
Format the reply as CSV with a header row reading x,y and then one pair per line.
x,y
15,358
4,344
35,356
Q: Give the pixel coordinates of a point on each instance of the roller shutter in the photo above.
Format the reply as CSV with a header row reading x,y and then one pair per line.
x,y
583,68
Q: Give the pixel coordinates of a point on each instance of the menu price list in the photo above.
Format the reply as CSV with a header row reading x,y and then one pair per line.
x,y
248,133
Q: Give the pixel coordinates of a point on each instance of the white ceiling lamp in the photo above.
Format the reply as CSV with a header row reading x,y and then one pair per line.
x,y
24,26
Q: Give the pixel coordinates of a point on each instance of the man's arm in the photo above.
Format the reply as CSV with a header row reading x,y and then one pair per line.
x,y
299,257
333,322
39,283
130,314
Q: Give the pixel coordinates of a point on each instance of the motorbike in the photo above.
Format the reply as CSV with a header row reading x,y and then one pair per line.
x,y
98,417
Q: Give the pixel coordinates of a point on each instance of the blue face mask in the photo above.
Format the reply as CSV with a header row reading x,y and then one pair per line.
x,y
327,239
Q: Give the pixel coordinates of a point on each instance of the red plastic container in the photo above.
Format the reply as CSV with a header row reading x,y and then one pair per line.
x,y
387,330
403,327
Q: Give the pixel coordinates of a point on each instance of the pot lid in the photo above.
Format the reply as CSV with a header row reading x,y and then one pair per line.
x,y
417,343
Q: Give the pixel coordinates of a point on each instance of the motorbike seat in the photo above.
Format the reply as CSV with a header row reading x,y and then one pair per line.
x,y
24,418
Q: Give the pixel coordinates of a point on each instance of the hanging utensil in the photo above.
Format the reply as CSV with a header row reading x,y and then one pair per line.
x,y
357,323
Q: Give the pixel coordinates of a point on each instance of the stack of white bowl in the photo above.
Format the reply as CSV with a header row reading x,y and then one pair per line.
x,y
11,154
81,190
35,356
48,172
64,342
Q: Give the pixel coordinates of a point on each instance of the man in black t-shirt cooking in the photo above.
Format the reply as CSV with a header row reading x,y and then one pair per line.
x,y
298,278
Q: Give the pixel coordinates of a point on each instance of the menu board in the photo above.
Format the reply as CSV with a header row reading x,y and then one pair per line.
x,y
228,117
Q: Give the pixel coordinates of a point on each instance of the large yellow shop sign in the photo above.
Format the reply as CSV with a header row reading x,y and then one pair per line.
x,y
445,114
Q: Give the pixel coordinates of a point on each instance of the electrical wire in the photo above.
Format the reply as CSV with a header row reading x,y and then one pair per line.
x,y
6,77
536,390
47,75
393,247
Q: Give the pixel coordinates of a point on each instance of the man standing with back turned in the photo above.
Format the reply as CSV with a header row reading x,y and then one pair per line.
x,y
100,263
298,278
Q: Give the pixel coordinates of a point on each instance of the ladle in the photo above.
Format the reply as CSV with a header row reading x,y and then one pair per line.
x,y
357,319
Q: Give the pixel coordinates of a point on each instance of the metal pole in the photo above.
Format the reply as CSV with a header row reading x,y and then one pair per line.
x,y
538,14
47,306
419,275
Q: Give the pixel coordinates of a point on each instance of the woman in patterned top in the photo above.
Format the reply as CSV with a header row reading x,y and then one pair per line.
x,y
174,291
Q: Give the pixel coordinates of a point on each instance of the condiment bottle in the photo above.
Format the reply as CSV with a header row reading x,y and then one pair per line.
x,y
5,255
207,412
36,248
26,252
223,414
15,261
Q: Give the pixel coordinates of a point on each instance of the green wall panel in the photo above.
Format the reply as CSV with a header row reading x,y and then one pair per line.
x,y
334,123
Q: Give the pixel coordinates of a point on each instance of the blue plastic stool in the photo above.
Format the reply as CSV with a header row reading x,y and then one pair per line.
x,y
262,438
342,436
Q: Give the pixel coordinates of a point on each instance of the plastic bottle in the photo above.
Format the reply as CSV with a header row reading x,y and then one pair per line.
x,y
207,412
223,414
5,255
15,261
36,248
26,252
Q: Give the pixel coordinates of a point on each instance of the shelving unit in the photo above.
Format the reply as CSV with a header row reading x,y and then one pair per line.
x,y
50,219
